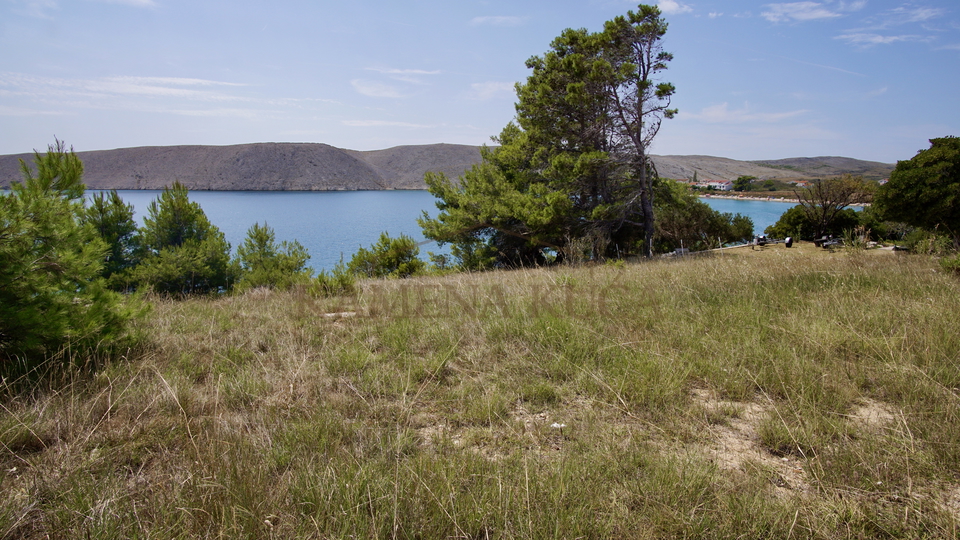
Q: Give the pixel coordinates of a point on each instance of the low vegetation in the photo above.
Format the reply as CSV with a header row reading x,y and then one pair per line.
x,y
777,393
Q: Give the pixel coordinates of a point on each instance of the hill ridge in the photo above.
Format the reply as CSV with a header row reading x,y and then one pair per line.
x,y
322,167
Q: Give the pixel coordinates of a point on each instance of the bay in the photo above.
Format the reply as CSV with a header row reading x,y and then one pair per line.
x,y
334,224
764,213
330,224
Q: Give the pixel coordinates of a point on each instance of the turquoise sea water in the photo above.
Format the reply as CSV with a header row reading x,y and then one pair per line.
x,y
333,224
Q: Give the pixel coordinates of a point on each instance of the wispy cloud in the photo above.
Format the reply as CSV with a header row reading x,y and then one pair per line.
x,y
42,9
134,3
413,76
498,20
869,40
490,90
722,114
383,123
106,87
672,7
714,15
22,111
375,89
39,9
798,11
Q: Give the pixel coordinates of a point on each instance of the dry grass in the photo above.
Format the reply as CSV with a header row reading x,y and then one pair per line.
x,y
762,394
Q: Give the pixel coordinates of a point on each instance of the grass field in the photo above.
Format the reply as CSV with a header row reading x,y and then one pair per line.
x,y
774,393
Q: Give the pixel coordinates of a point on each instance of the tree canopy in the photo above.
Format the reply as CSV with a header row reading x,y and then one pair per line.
x,y
823,203
183,253
924,191
52,295
572,172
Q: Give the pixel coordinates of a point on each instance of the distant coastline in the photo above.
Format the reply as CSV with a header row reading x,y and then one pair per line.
x,y
321,167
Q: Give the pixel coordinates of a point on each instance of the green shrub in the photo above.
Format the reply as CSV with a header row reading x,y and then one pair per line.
x,y
183,253
52,295
389,257
263,263
951,264
336,283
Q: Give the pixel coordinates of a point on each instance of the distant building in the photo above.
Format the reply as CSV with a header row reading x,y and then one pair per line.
x,y
719,185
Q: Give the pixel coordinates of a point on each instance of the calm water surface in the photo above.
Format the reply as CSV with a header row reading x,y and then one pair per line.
x,y
333,224
330,224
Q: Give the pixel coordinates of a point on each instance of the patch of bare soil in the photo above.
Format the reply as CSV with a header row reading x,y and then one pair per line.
x,y
736,444
873,415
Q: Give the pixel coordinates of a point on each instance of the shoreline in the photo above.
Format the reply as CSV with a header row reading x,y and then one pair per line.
x,y
762,199
741,197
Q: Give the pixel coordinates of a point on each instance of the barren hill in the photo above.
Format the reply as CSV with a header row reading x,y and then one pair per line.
x,y
321,167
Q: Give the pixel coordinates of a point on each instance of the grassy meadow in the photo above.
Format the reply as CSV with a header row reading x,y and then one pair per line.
x,y
776,393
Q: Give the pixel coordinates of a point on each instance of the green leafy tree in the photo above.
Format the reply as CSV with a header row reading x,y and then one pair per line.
x,y
639,102
924,191
825,200
743,183
389,257
264,263
183,253
51,293
796,223
113,220
573,168
683,220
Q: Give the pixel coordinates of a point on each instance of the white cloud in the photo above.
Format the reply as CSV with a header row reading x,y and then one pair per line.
x,y
19,111
134,3
797,11
868,40
490,90
498,20
412,76
672,7
382,123
35,8
722,114
113,87
714,15
912,15
375,89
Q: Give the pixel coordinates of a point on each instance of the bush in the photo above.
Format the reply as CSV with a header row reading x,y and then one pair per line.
x,y
183,253
795,222
263,263
337,283
52,295
389,257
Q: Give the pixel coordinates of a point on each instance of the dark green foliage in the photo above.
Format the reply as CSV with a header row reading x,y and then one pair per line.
x,y
683,220
744,183
796,223
389,257
183,252
925,190
263,263
113,221
571,174
51,293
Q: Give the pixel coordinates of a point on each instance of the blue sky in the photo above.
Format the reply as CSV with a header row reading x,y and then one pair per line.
x,y
867,79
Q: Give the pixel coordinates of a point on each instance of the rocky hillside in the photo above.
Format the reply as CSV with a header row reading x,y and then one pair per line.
x,y
321,167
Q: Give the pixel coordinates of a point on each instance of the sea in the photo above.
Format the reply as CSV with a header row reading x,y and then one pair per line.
x,y
332,225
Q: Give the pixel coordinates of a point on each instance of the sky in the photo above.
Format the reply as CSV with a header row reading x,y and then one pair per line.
x,y
867,79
